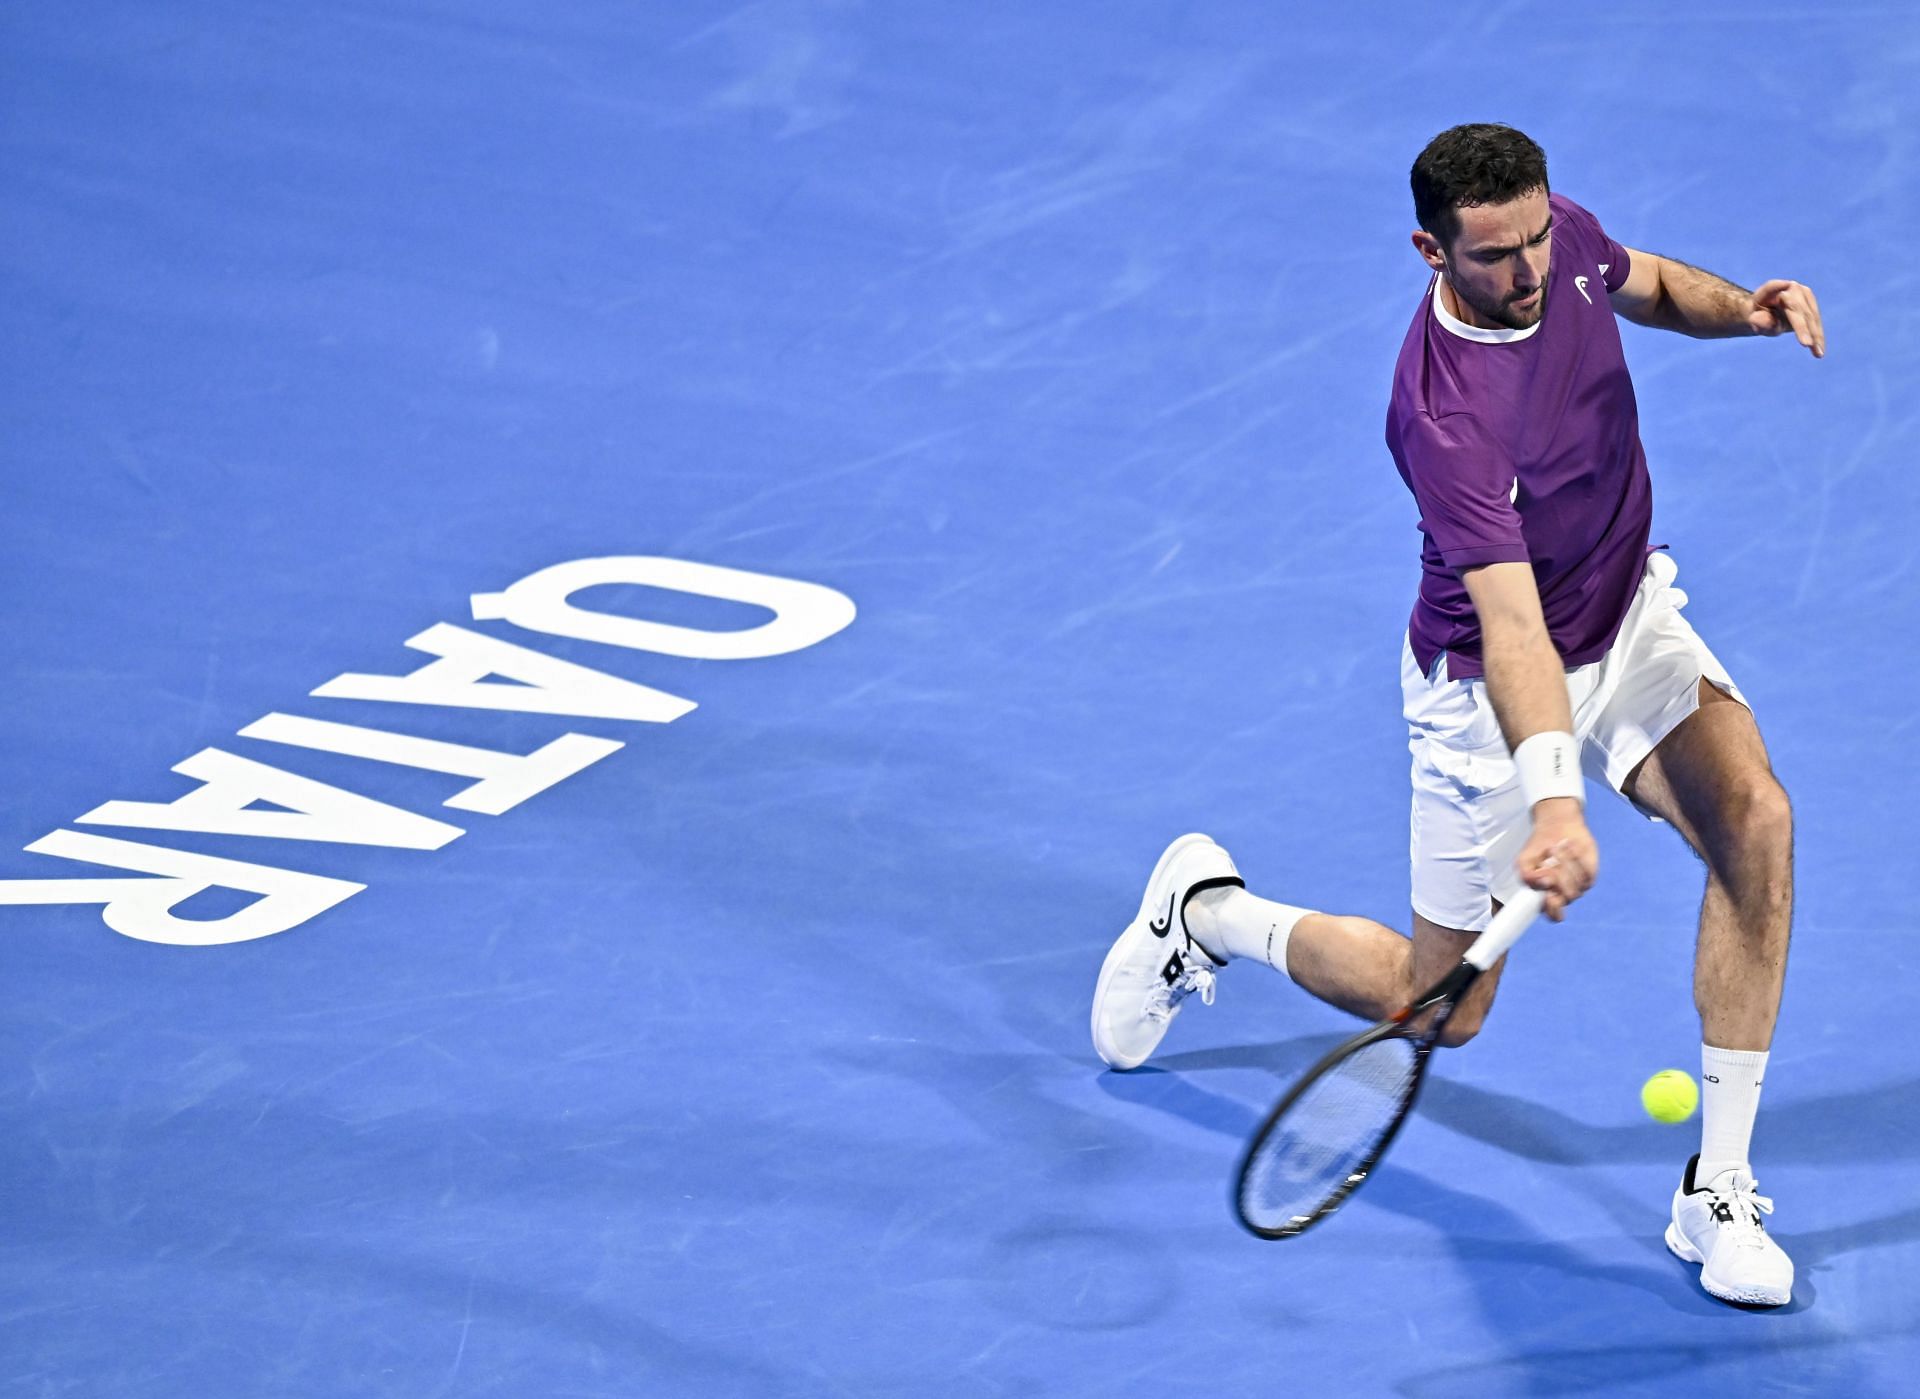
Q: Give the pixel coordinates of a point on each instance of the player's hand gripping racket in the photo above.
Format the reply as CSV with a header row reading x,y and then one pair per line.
x,y
1326,1136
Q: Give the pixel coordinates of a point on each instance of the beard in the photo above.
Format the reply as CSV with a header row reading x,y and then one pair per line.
x,y
1505,313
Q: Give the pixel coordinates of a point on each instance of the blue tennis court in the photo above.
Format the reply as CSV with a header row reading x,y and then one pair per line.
x,y
698,1006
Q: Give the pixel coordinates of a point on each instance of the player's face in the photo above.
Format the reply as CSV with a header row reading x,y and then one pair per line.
x,y
1498,261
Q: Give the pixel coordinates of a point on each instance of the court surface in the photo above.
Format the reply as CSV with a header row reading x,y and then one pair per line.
x,y
752,1058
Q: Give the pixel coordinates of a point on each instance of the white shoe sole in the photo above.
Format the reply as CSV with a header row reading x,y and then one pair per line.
x,y
1678,1246
1125,943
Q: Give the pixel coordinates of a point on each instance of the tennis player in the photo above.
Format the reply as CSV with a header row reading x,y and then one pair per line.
x,y
1547,646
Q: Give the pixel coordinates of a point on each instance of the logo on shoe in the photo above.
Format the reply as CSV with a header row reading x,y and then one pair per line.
x,y
1162,926
1174,969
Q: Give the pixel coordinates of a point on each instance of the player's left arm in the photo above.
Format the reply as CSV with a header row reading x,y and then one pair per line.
x,y
1668,294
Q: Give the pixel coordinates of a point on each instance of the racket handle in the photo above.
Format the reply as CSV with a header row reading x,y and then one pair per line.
x,y
1513,919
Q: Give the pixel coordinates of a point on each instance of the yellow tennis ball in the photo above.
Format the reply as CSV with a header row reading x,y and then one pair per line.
x,y
1670,1096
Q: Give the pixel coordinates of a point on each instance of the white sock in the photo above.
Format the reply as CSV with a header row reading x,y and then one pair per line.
x,y
1232,923
1730,1082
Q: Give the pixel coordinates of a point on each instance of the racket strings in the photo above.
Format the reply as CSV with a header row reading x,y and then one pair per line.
x,y
1329,1133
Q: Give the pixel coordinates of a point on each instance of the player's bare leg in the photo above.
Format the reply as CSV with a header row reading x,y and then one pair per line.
x,y
1369,970
1437,951
1711,779
1363,967
1196,916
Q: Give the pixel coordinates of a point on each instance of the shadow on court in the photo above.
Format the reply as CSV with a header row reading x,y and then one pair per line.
x,y
1523,1279
1843,1127
1820,1365
1840,1127
1515,1267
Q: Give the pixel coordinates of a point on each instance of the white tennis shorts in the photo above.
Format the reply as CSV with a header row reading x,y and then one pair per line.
x,y
1469,819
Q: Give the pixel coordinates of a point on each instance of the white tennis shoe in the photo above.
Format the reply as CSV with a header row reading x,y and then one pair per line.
x,y
1718,1226
1156,964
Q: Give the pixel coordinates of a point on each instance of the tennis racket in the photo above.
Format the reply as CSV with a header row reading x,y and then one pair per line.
x,y
1326,1136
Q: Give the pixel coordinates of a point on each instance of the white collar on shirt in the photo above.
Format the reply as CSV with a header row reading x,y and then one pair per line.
x,y
1460,328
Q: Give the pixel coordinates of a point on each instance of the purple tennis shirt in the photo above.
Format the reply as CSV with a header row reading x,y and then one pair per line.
x,y
1523,446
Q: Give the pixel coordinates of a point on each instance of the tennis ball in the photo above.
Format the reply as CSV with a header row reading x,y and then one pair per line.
x,y
1670,1096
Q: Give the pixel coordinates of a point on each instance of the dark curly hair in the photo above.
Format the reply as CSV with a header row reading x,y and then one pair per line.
x,y
1482,163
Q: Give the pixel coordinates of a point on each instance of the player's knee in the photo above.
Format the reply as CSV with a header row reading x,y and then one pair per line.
x,y
1771,818
1461,1026
1759,818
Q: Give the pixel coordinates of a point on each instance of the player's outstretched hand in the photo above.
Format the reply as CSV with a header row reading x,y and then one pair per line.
x,y
1560,858
1781,306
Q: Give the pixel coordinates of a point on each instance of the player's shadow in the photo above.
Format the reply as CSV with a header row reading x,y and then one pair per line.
x,y
1811,1247
1841,1127
1861,1125
1636,1367
1519,1274
1512,1257
1165,1090
1169,1085
1284,1059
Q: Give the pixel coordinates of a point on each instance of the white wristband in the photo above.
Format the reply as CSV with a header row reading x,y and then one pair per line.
x,y
1549,766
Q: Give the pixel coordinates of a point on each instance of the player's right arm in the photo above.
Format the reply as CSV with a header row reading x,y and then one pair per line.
x,y
1528,687
1669,294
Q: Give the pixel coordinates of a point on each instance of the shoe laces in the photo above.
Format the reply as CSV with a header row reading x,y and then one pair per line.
x,y
1165,997
1737,1206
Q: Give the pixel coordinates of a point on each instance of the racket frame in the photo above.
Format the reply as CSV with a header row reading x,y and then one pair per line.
x,y
1437,1005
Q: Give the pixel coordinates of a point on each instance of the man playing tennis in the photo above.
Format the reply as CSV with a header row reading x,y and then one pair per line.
x,y
1546,645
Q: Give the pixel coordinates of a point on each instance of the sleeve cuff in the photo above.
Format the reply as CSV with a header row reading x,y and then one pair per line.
x,y
1457,559
1616,274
